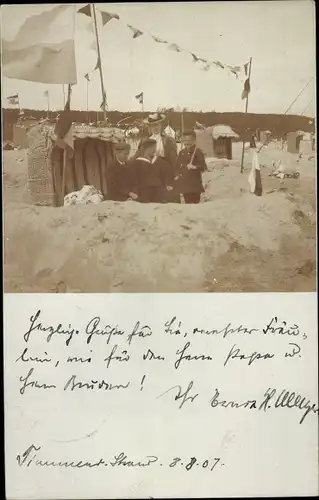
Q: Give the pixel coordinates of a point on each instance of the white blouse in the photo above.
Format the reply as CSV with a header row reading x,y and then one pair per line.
x,y
159,144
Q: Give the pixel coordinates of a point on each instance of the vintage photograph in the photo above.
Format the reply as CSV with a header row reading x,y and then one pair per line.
x,y
159,147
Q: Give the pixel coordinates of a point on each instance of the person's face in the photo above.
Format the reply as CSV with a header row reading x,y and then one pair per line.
x,y
122,156
156,128
188,141
150,152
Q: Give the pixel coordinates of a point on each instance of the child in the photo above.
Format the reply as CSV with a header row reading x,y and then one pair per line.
x,y
189,167
119,178
148,175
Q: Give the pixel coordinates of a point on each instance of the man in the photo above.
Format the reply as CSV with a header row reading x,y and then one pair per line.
x,y
166,153
119,177
189,167
148,176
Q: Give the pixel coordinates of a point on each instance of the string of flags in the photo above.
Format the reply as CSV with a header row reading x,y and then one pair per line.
x,y
137,33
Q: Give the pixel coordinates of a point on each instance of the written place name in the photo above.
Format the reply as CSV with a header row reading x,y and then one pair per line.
x,y
32,457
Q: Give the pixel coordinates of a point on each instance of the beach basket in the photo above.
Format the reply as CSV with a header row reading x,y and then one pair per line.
x,y
93,152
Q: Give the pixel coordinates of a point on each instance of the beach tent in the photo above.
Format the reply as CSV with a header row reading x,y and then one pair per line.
x,y
216,141
293,141
93,152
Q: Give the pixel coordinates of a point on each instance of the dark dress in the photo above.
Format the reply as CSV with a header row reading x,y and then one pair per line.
x,y
190,182
119,181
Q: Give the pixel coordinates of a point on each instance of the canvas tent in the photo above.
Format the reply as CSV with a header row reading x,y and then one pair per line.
x,y
93,151
216,141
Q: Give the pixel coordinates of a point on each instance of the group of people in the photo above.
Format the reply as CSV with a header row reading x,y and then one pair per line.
x,y
157,173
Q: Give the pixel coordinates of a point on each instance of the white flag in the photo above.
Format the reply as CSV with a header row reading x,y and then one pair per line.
x,y
43,49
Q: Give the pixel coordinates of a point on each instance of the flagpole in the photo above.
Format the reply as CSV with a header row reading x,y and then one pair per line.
x,y
63,90
182,121
87,100
65,156
246,109
48,112
93,14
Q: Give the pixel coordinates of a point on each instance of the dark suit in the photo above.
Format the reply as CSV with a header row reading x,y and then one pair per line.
x,y
190,181
168,162
119,181
149,180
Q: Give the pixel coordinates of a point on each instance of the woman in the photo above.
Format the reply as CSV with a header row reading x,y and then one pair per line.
x,y
166,153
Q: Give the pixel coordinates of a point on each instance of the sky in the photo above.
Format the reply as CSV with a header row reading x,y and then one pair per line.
x,y
279,36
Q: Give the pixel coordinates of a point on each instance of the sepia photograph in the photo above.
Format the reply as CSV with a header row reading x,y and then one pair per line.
x,y
159,171
159,147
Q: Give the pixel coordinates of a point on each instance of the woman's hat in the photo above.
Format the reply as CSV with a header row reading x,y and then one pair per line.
x,y
154,119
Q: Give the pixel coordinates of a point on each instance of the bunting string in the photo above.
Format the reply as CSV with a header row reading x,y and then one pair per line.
x,y
106,17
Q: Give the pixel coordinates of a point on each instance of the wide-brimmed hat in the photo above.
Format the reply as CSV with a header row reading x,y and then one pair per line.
x,y
154,118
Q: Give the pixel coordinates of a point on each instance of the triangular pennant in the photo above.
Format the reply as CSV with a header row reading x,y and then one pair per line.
x,y
158,40
175,47
87,77
246,68
233,70
107,16
86,10
219,64
195,58
136,32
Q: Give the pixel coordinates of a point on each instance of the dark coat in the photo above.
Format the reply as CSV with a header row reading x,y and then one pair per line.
x,y
119,181
190,181
146,174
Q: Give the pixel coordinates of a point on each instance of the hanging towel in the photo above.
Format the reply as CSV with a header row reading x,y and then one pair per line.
x,y
254,177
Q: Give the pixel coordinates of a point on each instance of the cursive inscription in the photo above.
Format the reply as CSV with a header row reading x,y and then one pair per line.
x,y
50,330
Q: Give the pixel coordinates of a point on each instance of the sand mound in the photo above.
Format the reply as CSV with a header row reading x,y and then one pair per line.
x,y
130,247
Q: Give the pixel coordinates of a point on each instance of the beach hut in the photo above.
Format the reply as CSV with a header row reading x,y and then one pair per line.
x,y
216,141
93,152
293,141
